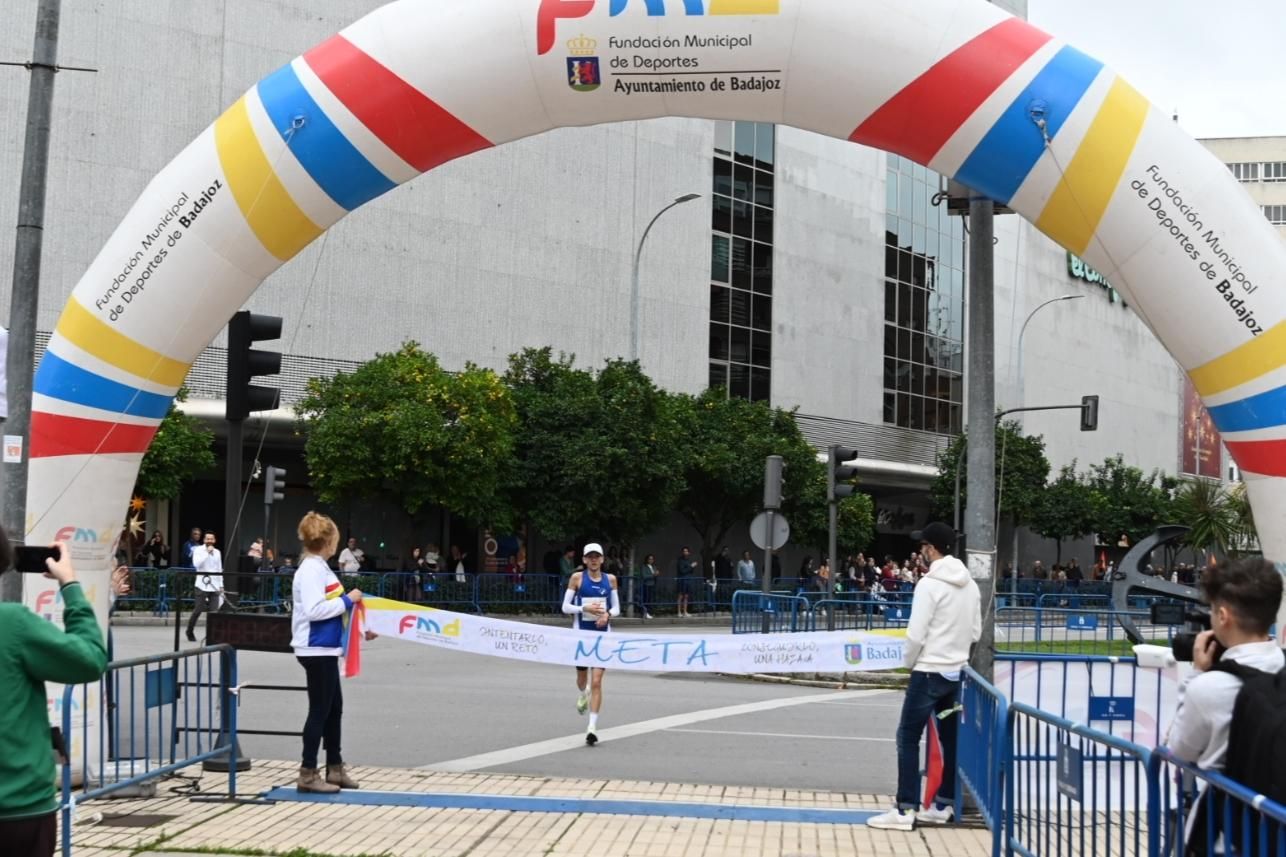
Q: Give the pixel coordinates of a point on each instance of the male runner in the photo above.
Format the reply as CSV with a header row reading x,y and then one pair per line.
x,y
591,599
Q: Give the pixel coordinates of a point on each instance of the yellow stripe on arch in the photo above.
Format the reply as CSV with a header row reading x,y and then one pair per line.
x,y
1072,215
94,336
267,206
745,7
1246,362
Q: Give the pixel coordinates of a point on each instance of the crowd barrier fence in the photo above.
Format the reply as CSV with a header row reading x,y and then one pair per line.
x,y
153,716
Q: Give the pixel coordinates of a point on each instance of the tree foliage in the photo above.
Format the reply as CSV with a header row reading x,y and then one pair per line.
x,y
1065,509
179,451
402,427
1209,513
1127,501
1018,488
600,454
728,439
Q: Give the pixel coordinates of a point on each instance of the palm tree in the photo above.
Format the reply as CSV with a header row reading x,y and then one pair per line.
x,y
1243,517
1206,510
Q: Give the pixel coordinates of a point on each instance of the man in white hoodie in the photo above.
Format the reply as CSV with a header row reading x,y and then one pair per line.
x,y
946,620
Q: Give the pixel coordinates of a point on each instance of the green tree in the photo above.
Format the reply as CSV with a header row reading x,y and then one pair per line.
x,y
1127,501
1018,487
402,427
1204,507
179,451
1065,509
728,439
599,454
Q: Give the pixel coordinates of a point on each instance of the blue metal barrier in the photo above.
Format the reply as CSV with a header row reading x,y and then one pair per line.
x,y
982,751
1204,812
153,716
785,613
1112,688
1049,630
1072,790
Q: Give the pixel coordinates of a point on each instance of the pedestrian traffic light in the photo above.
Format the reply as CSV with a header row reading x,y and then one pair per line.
x,y
1089,413
244,363
839,476
274,484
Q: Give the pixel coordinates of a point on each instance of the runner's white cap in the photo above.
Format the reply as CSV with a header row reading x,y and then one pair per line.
x,y
593,547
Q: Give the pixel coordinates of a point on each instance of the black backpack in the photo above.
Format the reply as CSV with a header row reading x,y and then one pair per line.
x,y
1256,755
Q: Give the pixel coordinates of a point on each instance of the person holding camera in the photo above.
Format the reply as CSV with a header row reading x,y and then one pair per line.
x,y
1243,595
32,652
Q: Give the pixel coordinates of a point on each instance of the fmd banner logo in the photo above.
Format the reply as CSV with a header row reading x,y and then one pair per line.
x,y
424,628
551,10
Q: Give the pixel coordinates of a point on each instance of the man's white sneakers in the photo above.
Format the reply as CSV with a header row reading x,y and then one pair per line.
x,y
936,815
582,704
893,819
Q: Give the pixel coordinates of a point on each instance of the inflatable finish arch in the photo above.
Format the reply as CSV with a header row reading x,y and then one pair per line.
x,y
957,85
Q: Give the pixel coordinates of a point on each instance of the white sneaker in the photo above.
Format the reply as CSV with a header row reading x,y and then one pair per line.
x,y
936,815
582,704
893,819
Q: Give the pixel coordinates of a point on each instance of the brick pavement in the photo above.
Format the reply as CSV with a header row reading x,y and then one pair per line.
x,y
295,828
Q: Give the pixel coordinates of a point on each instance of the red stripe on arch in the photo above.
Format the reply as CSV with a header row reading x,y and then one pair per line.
x,y
406,120
53,435
1265,457
918,121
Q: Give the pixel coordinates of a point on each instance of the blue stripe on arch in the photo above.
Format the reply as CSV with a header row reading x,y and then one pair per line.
x,y
320,147
59,379
1265,410
1010,150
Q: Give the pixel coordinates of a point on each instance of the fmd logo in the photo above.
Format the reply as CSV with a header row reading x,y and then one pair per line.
x,y
551,10
83,534
422,625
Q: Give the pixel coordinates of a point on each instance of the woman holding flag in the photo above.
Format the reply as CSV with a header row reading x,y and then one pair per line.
x,y
317,622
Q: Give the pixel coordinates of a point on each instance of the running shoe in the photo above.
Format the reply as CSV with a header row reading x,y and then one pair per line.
x,y
582,704
894,819
591,739
936,815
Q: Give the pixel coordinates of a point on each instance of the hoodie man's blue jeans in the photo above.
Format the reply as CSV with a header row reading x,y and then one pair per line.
x,y
927,694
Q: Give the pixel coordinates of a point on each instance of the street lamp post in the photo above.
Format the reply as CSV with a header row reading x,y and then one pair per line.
x,y
1022,393
634,279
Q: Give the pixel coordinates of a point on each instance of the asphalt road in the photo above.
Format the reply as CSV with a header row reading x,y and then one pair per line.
x,y
419,707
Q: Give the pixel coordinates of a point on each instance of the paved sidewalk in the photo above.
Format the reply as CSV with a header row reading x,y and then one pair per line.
x,y
475,815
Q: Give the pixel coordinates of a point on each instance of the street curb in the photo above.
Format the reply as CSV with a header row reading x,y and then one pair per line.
x,y
850,681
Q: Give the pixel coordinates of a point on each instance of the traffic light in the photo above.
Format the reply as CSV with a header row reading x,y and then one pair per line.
x,y
274,484
244,363
1089,413
839,476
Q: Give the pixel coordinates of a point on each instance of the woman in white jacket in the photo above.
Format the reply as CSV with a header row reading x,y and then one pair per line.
x,y
317,623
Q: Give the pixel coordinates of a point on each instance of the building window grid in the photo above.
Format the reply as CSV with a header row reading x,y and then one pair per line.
x,y
1276,214
741,262
1259,171
923,304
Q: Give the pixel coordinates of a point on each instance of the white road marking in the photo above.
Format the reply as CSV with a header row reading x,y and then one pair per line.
x,y
631,730
783,735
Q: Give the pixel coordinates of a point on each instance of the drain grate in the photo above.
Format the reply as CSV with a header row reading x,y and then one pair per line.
x,y
134,819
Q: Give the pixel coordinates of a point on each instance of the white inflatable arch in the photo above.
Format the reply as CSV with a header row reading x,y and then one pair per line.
x,y
957,85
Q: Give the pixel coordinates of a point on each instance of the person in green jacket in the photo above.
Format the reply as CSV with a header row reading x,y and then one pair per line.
x,y
32,652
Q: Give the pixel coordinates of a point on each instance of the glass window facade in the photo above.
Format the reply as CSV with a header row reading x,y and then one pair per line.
x,y
741,259
924,277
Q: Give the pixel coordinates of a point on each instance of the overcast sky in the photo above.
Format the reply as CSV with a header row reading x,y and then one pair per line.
x,y
1220,63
